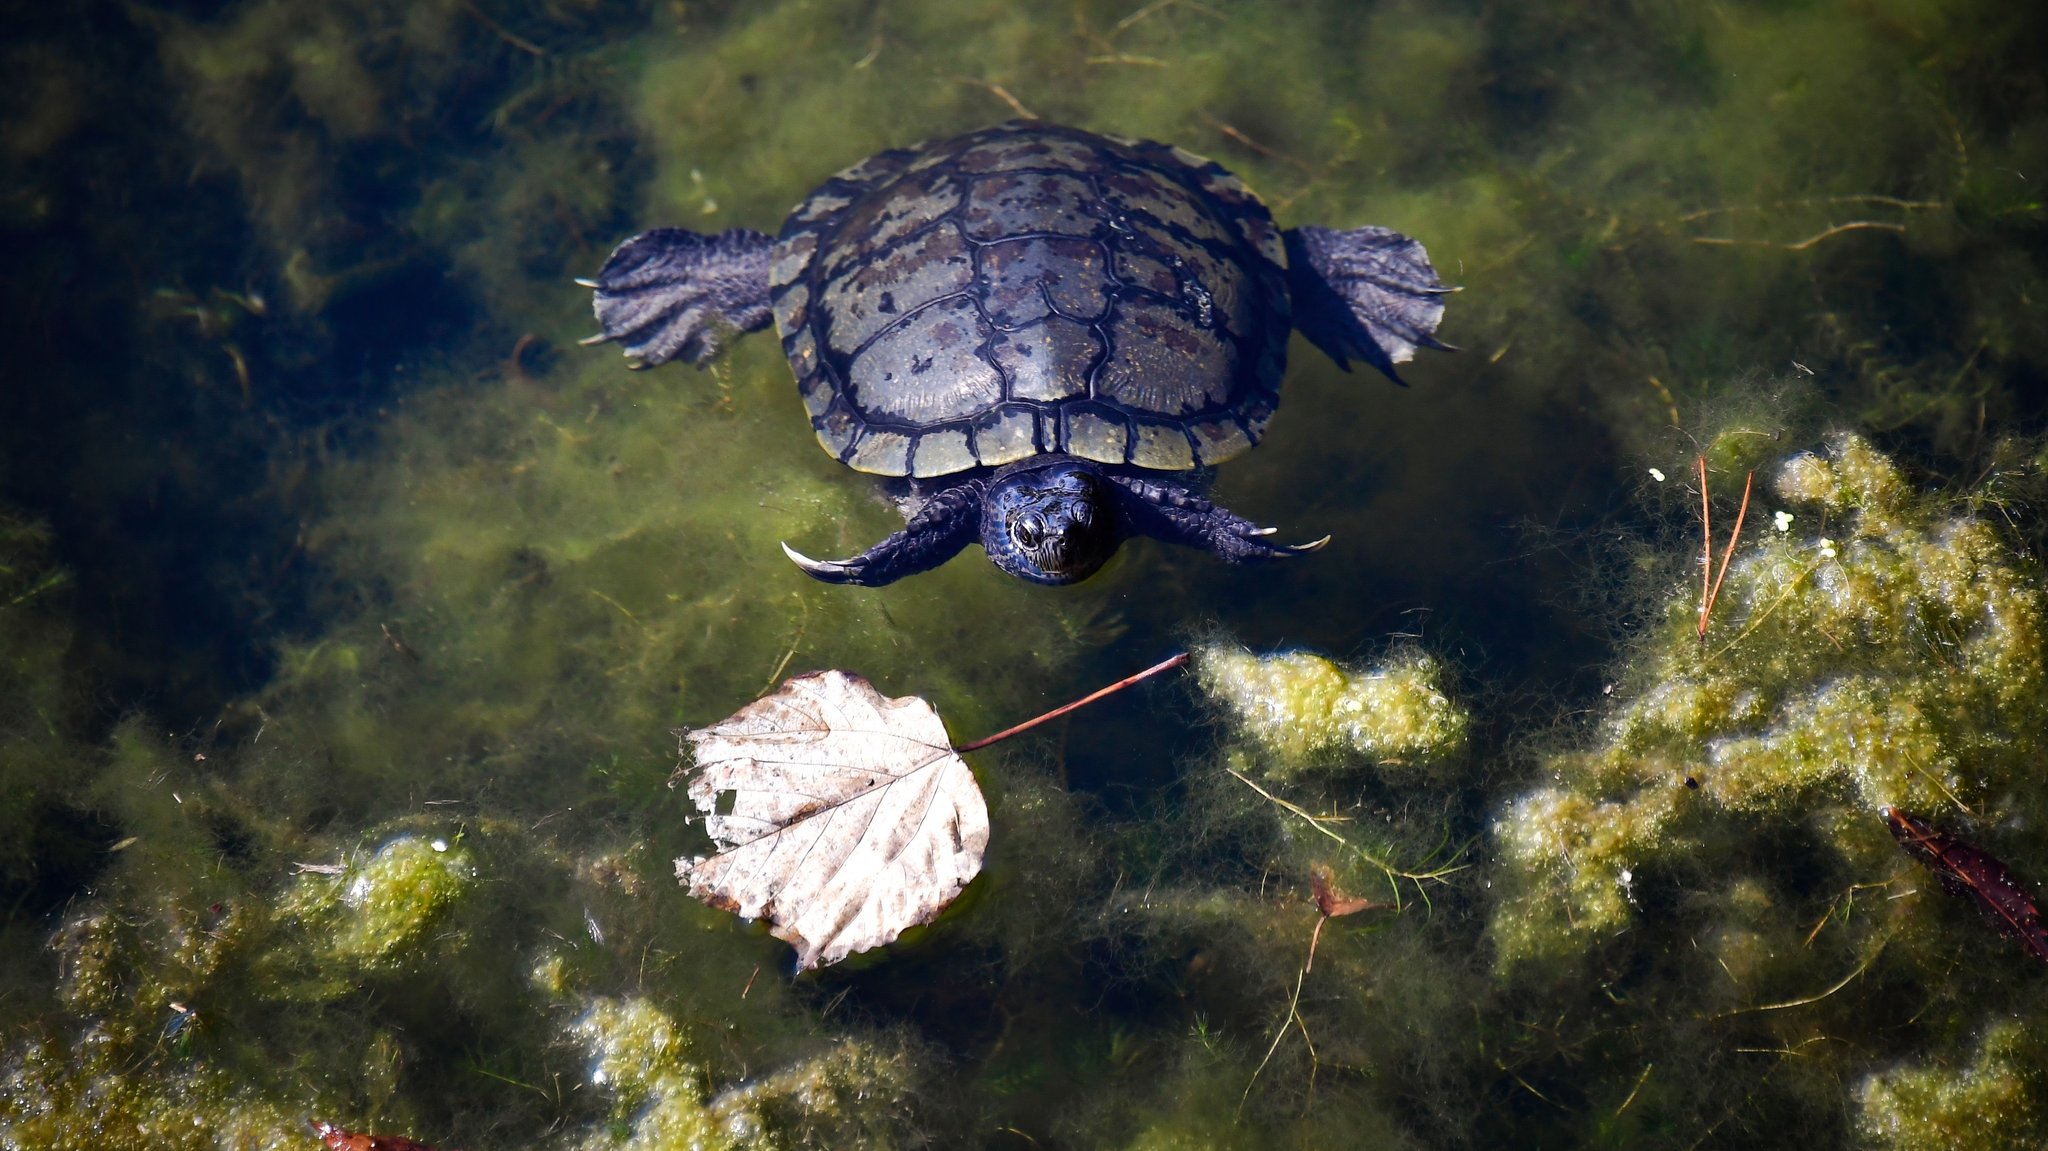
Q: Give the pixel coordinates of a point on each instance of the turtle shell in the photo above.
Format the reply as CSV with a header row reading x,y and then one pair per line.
x,y
1030,289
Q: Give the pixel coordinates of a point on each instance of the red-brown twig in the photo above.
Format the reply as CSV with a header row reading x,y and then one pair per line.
x,y
1706,546
1711,590
1163,665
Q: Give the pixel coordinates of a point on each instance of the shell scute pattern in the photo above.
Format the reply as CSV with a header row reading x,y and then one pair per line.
x,y
1052,202
875,224
1048,361
1031,289
869,297
928,371
1027,279
1165,363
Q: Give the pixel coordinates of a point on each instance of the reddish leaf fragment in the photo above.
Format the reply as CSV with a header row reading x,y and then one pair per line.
x,y
338,1140
1970,871
1331,902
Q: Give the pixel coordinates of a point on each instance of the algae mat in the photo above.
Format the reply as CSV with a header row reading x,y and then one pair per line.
x,y
347,606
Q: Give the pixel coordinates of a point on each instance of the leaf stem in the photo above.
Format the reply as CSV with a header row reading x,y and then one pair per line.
x,y
1163,665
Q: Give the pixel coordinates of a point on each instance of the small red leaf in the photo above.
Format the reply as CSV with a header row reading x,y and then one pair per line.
x,y
1331,902
338,1140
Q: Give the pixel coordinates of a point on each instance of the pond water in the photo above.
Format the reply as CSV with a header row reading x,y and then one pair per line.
x,y
349,607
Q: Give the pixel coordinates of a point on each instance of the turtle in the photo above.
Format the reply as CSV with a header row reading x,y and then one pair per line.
x,y
1049,335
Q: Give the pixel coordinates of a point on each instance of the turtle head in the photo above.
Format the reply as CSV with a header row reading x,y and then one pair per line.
x,y
1055,523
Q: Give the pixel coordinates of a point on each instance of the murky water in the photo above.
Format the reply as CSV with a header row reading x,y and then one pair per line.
x,y
348,606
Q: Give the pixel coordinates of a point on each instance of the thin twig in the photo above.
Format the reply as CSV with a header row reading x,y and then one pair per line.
x,y
1001,93
1757,621
1816,998
1802,245
503,33
1254,145
803,624
1293,1016
1140,15
1640,1080
1913,765
1317,821
1164,665
1879,201
1706,546
1712,591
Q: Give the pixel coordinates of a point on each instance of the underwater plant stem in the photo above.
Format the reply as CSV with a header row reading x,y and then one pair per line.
x,y
1637,1089
1314,820
503,33
1758,620
1164,665
1859,969
1317,821
1293,1018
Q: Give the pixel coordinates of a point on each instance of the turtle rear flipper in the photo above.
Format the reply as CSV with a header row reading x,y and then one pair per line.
x,y
674,293
1369,293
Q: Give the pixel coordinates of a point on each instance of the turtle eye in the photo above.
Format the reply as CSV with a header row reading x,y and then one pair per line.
x,y
1030,530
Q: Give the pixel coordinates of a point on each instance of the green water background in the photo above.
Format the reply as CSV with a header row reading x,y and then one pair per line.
x,y
322,534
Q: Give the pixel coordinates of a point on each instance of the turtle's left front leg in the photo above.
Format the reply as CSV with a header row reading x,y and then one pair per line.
x,y
672,292
1168,511
1369,293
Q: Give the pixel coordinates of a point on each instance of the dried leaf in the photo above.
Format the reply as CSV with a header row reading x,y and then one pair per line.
x,y
842,816
1970,871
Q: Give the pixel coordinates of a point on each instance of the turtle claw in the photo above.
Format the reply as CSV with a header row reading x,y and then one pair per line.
x,y
585,282
829,571
1304,549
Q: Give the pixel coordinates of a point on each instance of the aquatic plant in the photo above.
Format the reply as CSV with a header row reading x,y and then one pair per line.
x,y
1995,1101
1877,649
1301,707
381,910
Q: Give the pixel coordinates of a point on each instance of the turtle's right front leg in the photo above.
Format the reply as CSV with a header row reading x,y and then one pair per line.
x,y
941,526
672,292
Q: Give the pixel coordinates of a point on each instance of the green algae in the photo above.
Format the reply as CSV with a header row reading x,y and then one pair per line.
x,y
1888,664
1996,1101
1300,706
850,1095
1873,645
383,909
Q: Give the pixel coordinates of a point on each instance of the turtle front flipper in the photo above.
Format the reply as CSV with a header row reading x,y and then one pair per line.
x,y
672,292
1369,293
935,533
1172,513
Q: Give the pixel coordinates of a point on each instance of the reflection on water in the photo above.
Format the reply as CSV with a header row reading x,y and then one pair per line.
x,y
324,544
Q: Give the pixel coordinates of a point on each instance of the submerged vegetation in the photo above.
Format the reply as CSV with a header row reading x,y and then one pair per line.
x,y
346,608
